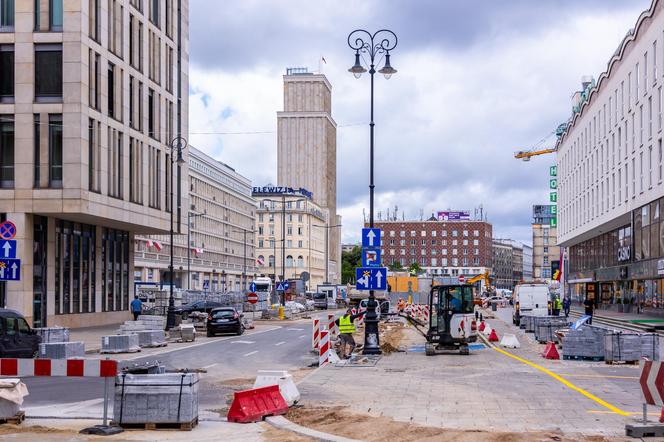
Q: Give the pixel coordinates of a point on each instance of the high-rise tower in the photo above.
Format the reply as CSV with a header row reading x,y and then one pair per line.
x,y
307,148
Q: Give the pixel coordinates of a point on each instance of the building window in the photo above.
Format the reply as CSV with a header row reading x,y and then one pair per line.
x,y
94,80
115,27
94,155
289,261
7,15
6,73
93,20
115,163
154,11
37,151
48,72
300,261
55,150
75,268
271,261
135,171
115,270
55,15
6,151
151,114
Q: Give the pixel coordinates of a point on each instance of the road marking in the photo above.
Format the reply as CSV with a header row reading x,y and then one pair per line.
x,y
598,376
210,341
211,365
303,336
243,342
633,413
297,329
280,343
565,382
251,353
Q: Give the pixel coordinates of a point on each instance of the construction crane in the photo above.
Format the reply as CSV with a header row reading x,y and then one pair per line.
x,y
525,155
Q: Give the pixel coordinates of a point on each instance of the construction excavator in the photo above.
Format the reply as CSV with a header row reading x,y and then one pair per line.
x,y
451,325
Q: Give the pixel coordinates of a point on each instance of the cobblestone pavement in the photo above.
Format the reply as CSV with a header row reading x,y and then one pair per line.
x,y
486,390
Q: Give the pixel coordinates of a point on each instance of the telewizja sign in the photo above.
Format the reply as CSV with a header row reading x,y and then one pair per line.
x,y
281,190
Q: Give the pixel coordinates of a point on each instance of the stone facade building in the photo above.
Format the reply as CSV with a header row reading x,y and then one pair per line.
x,y
546,252
88,107
307,148
221,238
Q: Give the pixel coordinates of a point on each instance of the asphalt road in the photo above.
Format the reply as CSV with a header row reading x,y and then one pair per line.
x,y
268,347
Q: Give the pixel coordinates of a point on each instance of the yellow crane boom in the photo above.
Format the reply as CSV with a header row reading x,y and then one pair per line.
x,y
526,154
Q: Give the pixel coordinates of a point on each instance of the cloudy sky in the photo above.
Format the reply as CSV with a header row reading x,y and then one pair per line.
x,y
477,80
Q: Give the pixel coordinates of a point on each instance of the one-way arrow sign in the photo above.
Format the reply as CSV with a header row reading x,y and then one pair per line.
x,y
8,248
371,237
10,269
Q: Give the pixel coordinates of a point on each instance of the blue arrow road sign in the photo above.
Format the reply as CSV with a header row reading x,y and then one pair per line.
x,y
371,278
252,287
370,257
10,269
282,286
370,237
8,248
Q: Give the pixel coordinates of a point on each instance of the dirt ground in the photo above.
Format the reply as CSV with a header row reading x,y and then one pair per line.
x,y
276,435
335,420
38,429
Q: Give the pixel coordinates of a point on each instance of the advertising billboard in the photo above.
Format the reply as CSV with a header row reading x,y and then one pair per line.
x,y
454,216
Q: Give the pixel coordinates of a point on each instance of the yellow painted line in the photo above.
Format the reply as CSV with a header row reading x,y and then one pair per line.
x,y
633,413
598,376
565,382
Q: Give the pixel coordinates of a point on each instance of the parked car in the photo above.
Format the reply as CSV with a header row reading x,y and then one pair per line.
x,y
224,320
17,339
196,306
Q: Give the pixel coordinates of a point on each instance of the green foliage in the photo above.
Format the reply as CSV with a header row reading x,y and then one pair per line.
x,y
415,269
349,261
395,266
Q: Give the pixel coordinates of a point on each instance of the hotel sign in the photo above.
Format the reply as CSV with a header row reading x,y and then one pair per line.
x,y
280,190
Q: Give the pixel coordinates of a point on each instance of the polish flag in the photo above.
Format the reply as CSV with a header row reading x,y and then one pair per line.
x,y
157,245
148,243
259,261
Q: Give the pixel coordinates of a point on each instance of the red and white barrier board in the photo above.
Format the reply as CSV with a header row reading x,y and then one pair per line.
x,y
324,350
315,338
332,326
652,382
58,367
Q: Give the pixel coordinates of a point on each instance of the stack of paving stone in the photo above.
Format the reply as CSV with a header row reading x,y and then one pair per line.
x,y
587,342
183,333
151,338
144,322
530,323
120,343
61,350
168,398
622,346
53,334
546,326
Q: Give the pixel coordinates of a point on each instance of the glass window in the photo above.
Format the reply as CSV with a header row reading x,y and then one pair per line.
x,y
55,150
6,73
55,15
48,72
6,151
6,15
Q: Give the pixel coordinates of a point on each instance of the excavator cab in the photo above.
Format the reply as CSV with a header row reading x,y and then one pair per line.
x,y
452,321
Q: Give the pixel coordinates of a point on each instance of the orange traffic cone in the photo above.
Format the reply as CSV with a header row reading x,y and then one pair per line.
x,y
482,326
550,352
493,337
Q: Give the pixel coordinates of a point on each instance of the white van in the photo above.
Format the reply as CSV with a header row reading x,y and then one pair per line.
x,y
531,300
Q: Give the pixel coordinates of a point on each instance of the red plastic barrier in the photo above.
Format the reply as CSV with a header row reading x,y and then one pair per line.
x,y
493,337
550,352
256,404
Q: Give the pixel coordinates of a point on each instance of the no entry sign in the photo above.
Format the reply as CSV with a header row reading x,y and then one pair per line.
x,y
252,298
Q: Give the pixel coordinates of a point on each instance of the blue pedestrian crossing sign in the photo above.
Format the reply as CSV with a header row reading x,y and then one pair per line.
x,y
206,285
371,237
282,286
10,269
252,287
371,278
370,257
8,248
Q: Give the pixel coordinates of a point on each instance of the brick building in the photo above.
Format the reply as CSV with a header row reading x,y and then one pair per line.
x,y
439,247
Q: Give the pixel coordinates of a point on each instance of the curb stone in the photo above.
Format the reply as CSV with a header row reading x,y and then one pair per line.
x,y
282,423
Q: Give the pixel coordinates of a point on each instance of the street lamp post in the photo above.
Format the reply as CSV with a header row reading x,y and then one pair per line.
x,y
244,263
327,245
178,144
189,217
373,45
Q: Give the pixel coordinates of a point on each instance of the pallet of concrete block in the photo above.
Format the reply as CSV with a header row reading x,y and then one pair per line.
x,y
156,401
585,343
53,334
61,350
630,347
153,322
546,326
530,323
151,338
183,333
127,343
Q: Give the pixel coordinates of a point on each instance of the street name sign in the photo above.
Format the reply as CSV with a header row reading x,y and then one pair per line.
x,y
371,278
370,257
370,237
10,269
8,248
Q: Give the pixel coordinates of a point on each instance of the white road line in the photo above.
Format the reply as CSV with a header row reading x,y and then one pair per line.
x,y
211,365
280,343
251,353
243,342
296,329
303,336
210,341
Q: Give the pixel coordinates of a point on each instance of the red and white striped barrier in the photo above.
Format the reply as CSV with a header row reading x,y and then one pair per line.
x,y
652,382
360,320
324,350
426,314
332,326
315,337
58,367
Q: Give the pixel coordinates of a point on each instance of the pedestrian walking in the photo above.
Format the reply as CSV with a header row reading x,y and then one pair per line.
x,y
589,304
136,307
567,303
346,325
557,306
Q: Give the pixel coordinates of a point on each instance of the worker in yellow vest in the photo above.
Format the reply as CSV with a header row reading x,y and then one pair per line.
x,y
346,324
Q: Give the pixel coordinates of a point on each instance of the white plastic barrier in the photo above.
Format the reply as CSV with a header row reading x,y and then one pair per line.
x,y
510,341
283,379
